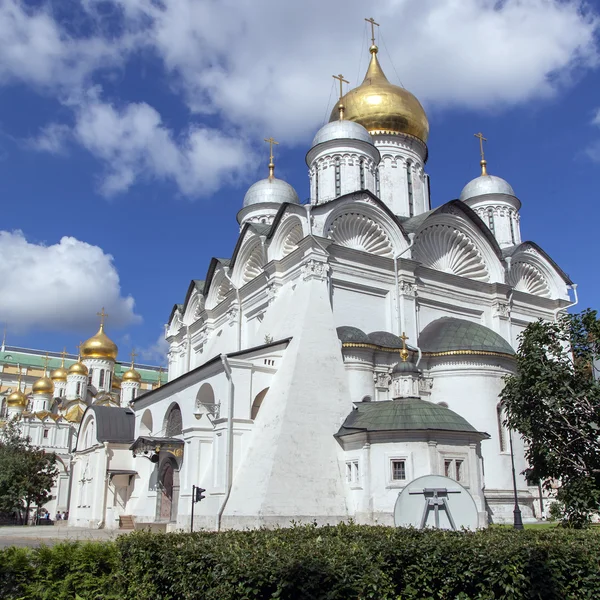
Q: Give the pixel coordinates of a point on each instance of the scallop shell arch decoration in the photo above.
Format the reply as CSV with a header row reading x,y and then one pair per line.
x,y
292,239
254,265
526,278
447,249
356,231
223,290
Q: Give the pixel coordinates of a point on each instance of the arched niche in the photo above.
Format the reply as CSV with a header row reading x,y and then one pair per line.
x,y
257,403
205,401
219,289
173,423
146,424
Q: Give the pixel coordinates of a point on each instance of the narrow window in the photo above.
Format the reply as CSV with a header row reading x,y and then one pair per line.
x,y
78,388
338,178
377,189
108,379
317,185
352,474
512,228
133,394
448,468
101,382
458,470
491,220
398,470
61,392
409,183
45,433
501,428
362,174
349,472
91,372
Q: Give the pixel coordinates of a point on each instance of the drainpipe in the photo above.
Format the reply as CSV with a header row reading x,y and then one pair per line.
x,y
229,450
239,303
574,303
411,237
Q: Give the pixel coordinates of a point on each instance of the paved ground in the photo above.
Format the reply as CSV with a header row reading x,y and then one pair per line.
x,y
51,534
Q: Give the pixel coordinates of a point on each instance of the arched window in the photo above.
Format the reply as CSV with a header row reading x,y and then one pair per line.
x,y
101,381
90,373
362,173
133,394
491,220
338,177
512,228
174,422
409,184
317,185
501,428
78,389
377,190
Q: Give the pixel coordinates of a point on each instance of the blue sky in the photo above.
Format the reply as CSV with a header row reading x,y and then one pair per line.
x,y
130,130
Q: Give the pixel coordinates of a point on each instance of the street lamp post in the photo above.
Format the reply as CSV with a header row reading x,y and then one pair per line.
x,y
517,520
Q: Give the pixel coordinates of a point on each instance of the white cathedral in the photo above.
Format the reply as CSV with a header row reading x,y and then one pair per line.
x,y
349,345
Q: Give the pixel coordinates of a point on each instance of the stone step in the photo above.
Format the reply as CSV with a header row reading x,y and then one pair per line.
x,y
126,522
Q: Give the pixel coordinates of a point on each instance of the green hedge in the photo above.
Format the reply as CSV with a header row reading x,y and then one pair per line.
x,y
346,561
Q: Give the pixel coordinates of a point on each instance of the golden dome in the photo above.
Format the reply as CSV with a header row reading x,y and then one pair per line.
x,y
43,385
381,107
132,375
17,398
78,369
99,346
59,374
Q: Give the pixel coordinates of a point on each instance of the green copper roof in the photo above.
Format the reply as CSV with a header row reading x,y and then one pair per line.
x,y
408,414
36,359
449,334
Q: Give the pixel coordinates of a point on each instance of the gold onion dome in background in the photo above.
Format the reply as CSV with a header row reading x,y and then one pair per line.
x,y
381,107
59,374
99,346
78,368
43,385
132,375
17,398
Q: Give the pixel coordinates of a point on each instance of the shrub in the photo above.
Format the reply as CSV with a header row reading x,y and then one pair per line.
x,y
345,561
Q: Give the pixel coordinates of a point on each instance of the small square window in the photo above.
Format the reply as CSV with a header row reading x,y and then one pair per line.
x,y
454,468
45,433
448,468
459,470
398,470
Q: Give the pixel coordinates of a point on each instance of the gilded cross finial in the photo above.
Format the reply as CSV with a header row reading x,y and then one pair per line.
x,y
133,357
271,141
160,370
373,24
46,360
341,79
63,354
483,162
102,316
404,351
79,351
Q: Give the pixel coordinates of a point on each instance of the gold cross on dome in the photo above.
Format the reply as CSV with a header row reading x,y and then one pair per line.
x,y
483,162
79,349
63,354
102,316
481,139
159,383
271,141
341,79
133,356
46,361
404,351
373,24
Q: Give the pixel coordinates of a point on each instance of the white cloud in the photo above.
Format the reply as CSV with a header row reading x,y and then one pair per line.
x,y
264,67
58,287
156,354
596,118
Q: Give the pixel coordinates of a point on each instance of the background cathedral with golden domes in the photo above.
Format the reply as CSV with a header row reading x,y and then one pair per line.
x,y
349,346
49,393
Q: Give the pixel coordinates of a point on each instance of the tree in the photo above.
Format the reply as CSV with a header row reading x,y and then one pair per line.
x,y
27,473
553,401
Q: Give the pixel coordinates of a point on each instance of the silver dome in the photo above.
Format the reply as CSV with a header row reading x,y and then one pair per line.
x,y
342,130
486,184
271,190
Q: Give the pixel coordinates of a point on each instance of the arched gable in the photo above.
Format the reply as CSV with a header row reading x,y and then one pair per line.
x,y
175,320
217,286
453,239
362,222
250,261
532,271
87,436
287,237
